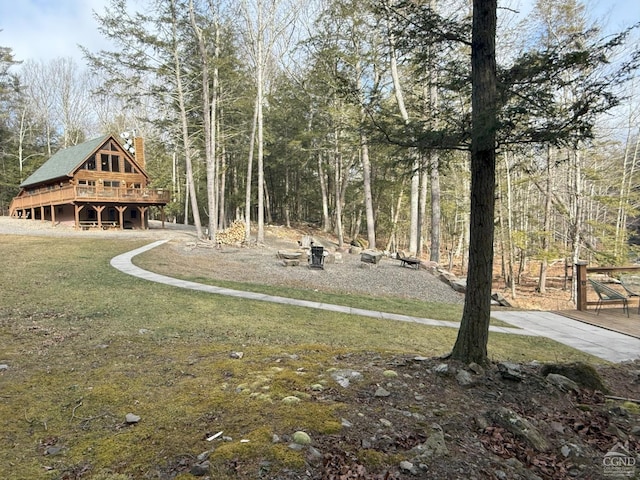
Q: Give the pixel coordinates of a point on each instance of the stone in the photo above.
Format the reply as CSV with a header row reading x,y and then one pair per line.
x,y
301,438
520,427
345,377
442,369
464,378
386,423
562,383
200,469
459,285
510,371
408,467
4,366
236,355
583,374
390,373
53,450
291,400
475,368
317,387
314,456
381,392
131,418
435,446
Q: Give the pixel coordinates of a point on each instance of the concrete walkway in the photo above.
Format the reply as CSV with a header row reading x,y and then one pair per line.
x,y
596,341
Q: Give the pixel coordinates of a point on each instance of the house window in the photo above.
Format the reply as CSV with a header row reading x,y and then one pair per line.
x,y
112,183
104,162
127,167
90,164
115,163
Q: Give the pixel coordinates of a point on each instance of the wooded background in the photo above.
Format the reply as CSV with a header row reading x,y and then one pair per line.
x,y
353,117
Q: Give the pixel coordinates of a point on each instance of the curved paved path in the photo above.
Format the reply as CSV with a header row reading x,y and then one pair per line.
x,y
602,343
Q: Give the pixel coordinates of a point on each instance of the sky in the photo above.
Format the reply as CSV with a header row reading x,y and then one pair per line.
x,y
42,30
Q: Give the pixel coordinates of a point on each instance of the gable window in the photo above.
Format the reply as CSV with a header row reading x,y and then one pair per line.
x,y
128,167
109,163
90,164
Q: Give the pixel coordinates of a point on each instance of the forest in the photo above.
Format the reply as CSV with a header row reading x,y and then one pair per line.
x,y
354,117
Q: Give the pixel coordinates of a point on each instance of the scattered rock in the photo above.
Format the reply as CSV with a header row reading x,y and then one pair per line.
x,y
584,375
4,366
345,377
386,423
520,427
408,467
131,418
442,369
510,371
562,383
53,450
435,446
464,378
291,400
475,368
236,355
498,299
390,373
381,392
317,387
200,469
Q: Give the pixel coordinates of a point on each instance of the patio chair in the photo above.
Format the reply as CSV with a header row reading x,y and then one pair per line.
x,y
607,294
631,285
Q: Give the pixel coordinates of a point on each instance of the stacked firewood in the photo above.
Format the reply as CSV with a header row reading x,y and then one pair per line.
x,y
233,235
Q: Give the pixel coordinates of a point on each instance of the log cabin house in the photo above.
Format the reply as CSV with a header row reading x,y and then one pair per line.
x,y
96,184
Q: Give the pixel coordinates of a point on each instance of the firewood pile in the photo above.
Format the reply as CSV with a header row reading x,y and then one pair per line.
x,y
233,235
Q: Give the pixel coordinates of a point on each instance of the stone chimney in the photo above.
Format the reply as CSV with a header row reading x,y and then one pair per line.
x,y
138,144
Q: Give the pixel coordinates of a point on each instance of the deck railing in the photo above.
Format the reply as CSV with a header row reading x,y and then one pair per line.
x,y
582,272
81,193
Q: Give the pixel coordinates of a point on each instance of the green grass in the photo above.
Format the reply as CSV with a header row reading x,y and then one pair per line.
x,y
87,344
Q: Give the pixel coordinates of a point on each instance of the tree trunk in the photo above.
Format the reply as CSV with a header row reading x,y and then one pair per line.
x,y
186,142
434,172
326,221
247,198
546,235
471,343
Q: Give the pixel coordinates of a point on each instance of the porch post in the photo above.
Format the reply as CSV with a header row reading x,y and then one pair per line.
x,y
77,209
121,210
581,291
99,209
53,215
143,220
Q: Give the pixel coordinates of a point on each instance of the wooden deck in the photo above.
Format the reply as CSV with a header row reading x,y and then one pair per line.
x,y
610,317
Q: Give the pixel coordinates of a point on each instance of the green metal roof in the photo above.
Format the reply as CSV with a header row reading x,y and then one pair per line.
x,y
64,162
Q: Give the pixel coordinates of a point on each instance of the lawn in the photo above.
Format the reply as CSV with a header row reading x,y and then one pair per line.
x,y
85,344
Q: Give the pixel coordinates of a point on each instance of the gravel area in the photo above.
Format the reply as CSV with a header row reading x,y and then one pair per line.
x,y
259,264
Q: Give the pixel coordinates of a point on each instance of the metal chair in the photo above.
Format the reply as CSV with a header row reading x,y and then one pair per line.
x,y
609,295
